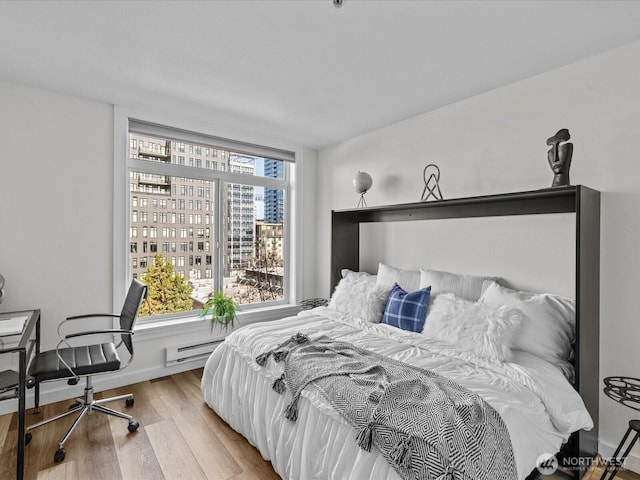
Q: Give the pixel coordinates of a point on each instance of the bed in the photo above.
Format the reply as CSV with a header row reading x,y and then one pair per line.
x,y
547,406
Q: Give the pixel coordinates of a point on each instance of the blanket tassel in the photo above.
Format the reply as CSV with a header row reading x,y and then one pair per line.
x,y
280,355
262,359
300,338
278,385
365,437
401,453
291,412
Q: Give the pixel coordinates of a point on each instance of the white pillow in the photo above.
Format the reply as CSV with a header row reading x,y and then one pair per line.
x,y
363,275
472,326
409,280
468,287
360,296
549,330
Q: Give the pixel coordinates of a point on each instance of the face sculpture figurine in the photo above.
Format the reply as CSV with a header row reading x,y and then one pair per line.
x,y
559,156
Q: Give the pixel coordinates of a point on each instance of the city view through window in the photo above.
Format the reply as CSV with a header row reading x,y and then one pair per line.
x,y
193,234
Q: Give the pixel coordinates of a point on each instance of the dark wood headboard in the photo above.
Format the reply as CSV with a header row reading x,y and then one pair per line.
x,y
581,200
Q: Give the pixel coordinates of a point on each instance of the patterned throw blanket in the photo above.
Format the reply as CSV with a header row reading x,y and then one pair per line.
x,y
426,426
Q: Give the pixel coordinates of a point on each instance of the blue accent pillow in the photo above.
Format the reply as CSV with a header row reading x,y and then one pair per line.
x,y
407,311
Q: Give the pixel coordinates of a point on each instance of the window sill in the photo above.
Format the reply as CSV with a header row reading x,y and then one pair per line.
x,y
195,324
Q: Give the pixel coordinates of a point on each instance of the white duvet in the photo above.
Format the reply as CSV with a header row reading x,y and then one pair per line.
x,y
539,407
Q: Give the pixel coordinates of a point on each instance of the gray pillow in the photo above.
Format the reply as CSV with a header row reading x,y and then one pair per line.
x,y
409,280
468,287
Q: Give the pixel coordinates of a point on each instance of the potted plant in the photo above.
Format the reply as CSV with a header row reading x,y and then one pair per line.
x,y
221,308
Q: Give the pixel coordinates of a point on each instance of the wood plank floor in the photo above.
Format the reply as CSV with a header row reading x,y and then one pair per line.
x,y
179,437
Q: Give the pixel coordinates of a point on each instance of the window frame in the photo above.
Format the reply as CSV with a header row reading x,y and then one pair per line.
x,y
123,164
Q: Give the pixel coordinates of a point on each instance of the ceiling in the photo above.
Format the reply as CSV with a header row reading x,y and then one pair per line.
x,y
302,71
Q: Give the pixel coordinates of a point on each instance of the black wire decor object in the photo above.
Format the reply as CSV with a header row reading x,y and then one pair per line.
x,y
626,391
431,176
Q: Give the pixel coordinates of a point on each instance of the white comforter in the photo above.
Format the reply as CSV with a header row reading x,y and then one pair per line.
x,y
538,405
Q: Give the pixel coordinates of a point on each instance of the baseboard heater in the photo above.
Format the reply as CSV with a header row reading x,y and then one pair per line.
x,y
190,352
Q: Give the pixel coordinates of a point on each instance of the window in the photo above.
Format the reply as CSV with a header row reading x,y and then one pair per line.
x,y
245,232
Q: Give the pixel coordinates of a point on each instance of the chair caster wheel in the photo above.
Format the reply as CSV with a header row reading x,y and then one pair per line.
x,y
74,405
133,426
27,439
129,402
59,455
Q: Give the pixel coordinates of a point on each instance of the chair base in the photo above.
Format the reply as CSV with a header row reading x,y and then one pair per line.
x,y
84,406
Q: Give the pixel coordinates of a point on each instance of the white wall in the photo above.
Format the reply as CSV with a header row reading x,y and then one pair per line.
x,y
56,208
56,214
57,218
495,143
476,246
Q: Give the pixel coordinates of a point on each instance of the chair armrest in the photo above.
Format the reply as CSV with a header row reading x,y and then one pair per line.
x,y
97,332
84,317
90,315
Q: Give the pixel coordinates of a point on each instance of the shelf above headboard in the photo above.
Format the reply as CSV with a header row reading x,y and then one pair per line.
x,y
549,200
581,200
345,223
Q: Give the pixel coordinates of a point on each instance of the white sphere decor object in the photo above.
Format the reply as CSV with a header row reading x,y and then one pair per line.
x,y
362,183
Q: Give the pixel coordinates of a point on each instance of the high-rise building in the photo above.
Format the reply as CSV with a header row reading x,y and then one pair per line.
x,y
176,217
273,198
171,215
241,216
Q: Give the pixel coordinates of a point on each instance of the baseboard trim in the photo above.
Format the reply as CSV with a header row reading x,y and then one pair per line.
x,y
56,391
632,462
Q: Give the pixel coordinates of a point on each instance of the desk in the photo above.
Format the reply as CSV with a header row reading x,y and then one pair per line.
x,y
25,346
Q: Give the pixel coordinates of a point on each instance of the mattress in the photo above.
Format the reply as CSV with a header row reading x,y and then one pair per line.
x,y
538,405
